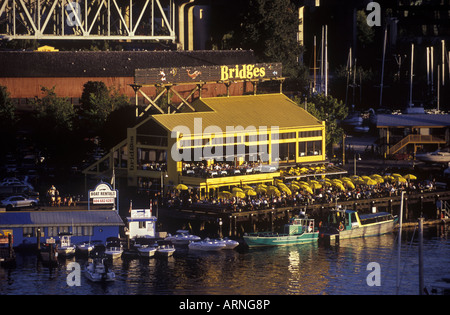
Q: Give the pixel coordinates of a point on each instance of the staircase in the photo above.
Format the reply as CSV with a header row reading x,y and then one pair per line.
x,y
414,139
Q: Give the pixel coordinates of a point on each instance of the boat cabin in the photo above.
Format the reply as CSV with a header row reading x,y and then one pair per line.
x,y
299,226
141,223
343,219
349,219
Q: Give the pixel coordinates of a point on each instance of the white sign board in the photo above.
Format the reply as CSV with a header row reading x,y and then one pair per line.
x,y
103,194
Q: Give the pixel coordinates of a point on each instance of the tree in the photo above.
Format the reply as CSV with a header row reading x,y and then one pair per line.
x,y
97,103
330,110
53,124
8,119
269,27
54,113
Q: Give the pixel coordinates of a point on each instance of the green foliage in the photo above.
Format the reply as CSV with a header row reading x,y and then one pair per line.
x,y
330,110
7,108
270,27
53,112
97,103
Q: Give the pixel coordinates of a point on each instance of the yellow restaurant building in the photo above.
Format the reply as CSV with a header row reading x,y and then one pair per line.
x,y
216,143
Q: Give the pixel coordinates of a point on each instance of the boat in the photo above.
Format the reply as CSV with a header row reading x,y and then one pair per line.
x,y
438,156
147,251
207,245
98,271
297,231
182,238
66,248
353,119
48,252
84,248
345,224
113,248
229,244
164,248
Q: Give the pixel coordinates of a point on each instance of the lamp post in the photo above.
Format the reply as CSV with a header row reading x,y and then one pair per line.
x,y
354,162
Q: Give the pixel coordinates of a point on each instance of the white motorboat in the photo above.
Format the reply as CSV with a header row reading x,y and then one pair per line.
x,y
113,248
165,250
97,271
84,248
207,245
66,248
182,238
146,250
229,244
437,156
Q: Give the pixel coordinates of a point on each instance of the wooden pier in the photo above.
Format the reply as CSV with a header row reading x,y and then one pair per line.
x,y
235,223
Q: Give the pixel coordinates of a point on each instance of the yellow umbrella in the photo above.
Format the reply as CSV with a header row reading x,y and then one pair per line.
x,y
370,182
397,175
237,189
388,177
224,194
345,178
359,181
349,184
261,190
294,186
181,187
307,189
410,177
401,180
315,185
250,192
286,190
238,194
340,186
262,185
273,191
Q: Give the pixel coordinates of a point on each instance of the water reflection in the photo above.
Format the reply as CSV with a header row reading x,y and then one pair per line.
x,y
301,269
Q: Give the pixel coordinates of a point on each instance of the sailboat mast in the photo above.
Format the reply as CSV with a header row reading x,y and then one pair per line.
x,y
382,66
411,76
326,60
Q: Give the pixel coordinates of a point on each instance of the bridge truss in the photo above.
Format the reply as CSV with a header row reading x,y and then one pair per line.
x,y
88,19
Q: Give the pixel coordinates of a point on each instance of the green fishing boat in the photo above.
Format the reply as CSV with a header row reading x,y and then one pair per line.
x,y
344,224
297,231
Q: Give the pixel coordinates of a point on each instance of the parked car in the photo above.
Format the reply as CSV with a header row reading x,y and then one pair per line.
x,y
18,202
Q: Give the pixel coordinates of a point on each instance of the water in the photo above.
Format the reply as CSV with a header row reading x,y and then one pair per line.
x,y
292,270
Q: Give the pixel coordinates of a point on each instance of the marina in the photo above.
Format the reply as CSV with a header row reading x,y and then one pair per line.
x,y
165,161
285,270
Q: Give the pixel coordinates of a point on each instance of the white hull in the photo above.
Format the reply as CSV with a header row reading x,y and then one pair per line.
x,y
165,252
147,251
66,251
113,253
98,273
435,157
207,246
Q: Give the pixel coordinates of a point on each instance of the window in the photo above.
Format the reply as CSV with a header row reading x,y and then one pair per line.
x,y
87,231
287,135
52,231
77,231
310,134
142,224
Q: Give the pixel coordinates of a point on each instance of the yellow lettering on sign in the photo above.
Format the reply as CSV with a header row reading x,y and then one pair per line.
x,y
244,72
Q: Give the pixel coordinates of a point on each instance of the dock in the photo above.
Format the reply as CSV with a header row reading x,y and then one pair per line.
x,y
235,223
